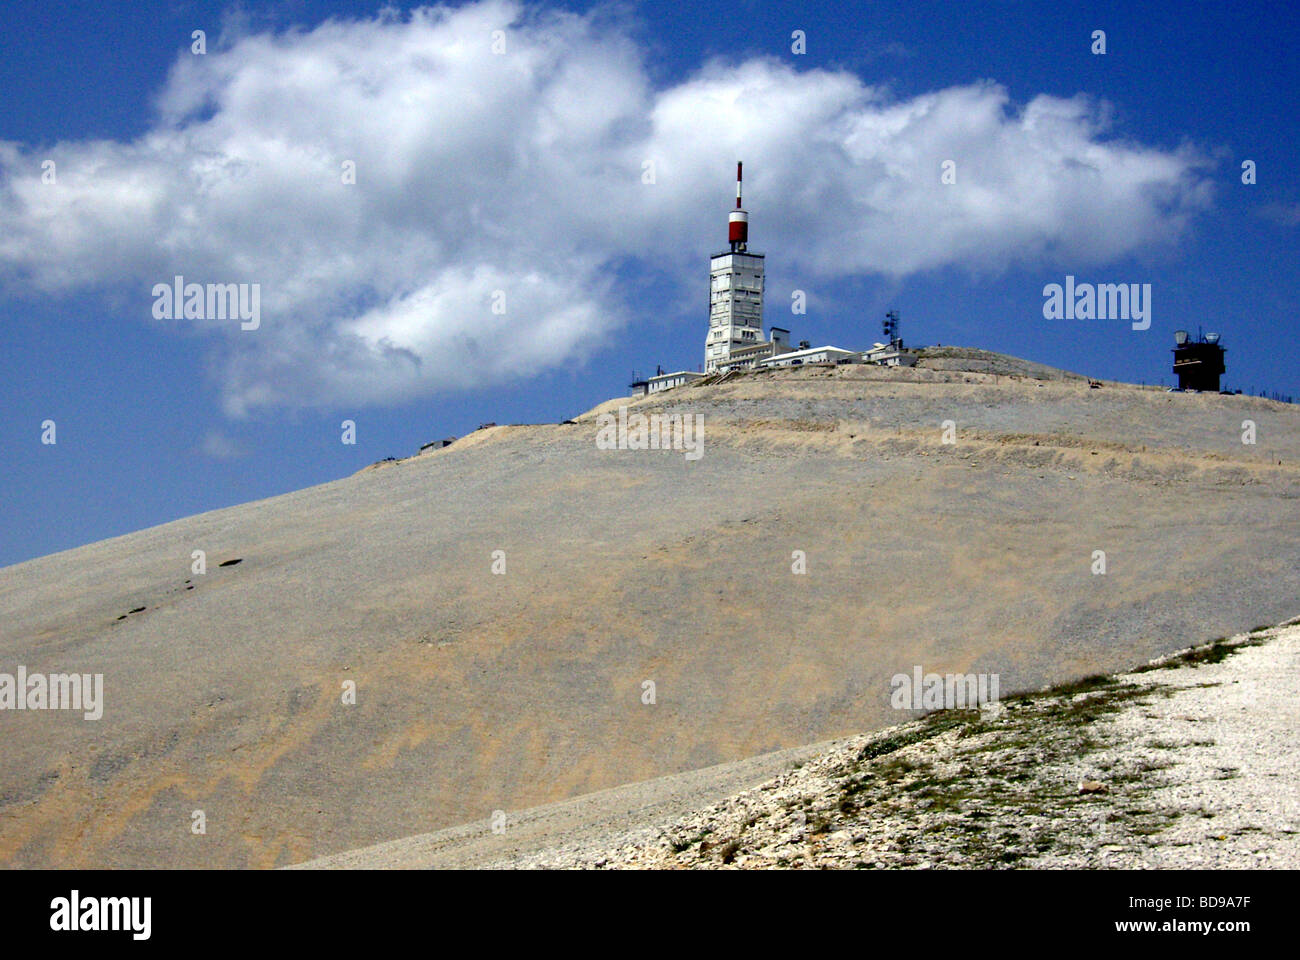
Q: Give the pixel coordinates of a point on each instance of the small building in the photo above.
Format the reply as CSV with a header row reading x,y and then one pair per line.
x,y
796,358
889,355
438,444
1198,364
746,358
666,381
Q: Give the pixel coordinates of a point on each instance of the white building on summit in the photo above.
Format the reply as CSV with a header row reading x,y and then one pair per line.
x,y
735,292
735,340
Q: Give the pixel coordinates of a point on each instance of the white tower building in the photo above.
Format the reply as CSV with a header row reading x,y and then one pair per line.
x,y
735,292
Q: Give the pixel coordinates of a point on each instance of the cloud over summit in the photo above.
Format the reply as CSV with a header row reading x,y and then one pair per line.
x,y
520,173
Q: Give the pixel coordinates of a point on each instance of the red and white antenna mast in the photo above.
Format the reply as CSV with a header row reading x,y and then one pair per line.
x,y
738,222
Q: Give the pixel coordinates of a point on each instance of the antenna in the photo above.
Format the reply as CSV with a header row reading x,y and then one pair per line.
x,y
738,222
890,327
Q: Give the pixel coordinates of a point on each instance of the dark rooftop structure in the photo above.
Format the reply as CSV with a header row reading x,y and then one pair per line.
x,y
1198,363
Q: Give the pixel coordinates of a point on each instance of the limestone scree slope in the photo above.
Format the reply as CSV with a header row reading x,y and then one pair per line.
x,y
479,692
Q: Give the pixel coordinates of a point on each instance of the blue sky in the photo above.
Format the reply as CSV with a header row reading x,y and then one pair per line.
x,y
523,171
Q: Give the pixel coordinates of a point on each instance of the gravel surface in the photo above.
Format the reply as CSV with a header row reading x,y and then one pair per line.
x,y
1190,763
585,821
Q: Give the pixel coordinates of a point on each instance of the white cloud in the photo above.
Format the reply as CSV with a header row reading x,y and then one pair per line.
x,y
521,172
217,446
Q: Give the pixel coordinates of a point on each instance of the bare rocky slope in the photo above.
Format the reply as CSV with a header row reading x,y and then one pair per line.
x,y
479,692
1187,763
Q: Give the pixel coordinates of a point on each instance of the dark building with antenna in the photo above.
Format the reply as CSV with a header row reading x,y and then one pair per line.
x,y
1198,364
